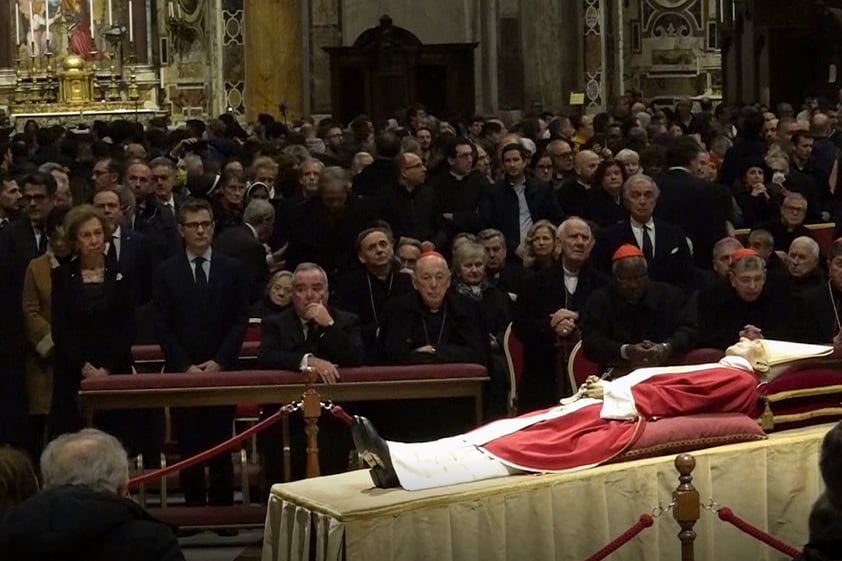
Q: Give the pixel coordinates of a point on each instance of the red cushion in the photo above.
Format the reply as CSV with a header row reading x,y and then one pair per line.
x,y
247,410
692,432
808,393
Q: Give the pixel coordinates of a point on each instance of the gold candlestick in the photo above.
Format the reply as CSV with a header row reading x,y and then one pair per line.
x,y
133,92
19,94
35,88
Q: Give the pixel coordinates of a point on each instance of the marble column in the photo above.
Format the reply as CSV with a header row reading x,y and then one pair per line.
x,y
593,27
274,58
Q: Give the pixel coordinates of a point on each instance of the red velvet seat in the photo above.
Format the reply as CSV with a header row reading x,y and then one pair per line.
x,y
579,367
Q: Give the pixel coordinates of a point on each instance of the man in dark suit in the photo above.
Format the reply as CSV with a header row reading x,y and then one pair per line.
x,y
663,244
460,191
201,314
163,184
245,242
377,280
505,274
20,242
547,313
132,251
634,322
689,202
322,228
148,216
378,175
310,335
819,319
516,201
410,205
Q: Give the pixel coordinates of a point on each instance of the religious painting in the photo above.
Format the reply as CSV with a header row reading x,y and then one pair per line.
x,y
67,26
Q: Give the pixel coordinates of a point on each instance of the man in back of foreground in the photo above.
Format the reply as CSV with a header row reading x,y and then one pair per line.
x,y
84,511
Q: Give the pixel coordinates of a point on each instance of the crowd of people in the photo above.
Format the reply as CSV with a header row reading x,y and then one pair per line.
x,y
418,241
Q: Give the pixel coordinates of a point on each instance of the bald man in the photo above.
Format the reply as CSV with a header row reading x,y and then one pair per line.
x,y
432,324
575,192
803,265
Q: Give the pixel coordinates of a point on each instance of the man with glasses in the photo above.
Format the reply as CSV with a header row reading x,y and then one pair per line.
x,y
744,306
410,205
459,190
561,154
790,225
20,242
201,312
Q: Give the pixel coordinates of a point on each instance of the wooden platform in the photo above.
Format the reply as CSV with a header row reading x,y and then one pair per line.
x,y
770,483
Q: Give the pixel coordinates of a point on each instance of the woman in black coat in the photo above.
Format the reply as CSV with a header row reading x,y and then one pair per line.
x,y
93,316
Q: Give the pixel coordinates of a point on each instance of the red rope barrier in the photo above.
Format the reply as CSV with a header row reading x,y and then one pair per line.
x,y
342,415
207,454
728,515
645,521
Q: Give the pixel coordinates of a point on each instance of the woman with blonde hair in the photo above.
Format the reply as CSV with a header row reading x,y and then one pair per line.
x,y
539,246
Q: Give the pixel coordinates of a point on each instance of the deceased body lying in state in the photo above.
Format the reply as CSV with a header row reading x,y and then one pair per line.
x,y
600,422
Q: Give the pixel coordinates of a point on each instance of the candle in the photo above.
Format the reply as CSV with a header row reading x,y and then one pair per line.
x,y
31,20
179,10
47,17
110,15
17,25
172,10
91,11
131,22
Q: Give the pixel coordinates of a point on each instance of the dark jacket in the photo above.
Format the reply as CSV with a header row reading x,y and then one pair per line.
x,y
374,178
283,345
462,198
722,315
500,209
195,326
695,207
604,209
328,240
76,523
137,263
413,214
672,262
543,294
160,226
17,249
364,295
96,329
240,243
574,197
662,316
782,236
818,319
457,331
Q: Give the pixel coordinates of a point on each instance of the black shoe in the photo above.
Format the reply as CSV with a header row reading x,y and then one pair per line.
x,y
374,451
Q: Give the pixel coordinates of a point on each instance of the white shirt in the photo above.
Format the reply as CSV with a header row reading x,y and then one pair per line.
x,y
571,280
637,230
523,210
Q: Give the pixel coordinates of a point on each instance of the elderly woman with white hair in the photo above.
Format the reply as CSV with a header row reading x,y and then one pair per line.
x,y
469,261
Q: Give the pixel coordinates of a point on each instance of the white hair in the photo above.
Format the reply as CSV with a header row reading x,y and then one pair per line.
x,y
90,458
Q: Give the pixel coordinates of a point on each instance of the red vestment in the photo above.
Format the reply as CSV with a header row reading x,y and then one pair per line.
x,y
583,439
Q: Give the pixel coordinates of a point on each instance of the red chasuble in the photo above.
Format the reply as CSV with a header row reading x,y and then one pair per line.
x,y
583,438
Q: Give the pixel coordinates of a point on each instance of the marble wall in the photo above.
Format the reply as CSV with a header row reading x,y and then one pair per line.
x,y
671,47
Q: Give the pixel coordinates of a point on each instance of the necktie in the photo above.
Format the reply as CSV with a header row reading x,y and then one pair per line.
x,y
42,243
112,250
524,216
648,251
201,277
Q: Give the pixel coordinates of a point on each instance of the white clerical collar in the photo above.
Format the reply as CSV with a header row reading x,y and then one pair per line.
x,y
737,362
457,176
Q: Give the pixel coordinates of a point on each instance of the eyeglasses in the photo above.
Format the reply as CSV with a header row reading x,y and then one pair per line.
x,y
413,166
798,209
204,225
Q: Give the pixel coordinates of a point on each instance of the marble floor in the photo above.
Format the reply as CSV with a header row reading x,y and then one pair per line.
x,y
207,546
